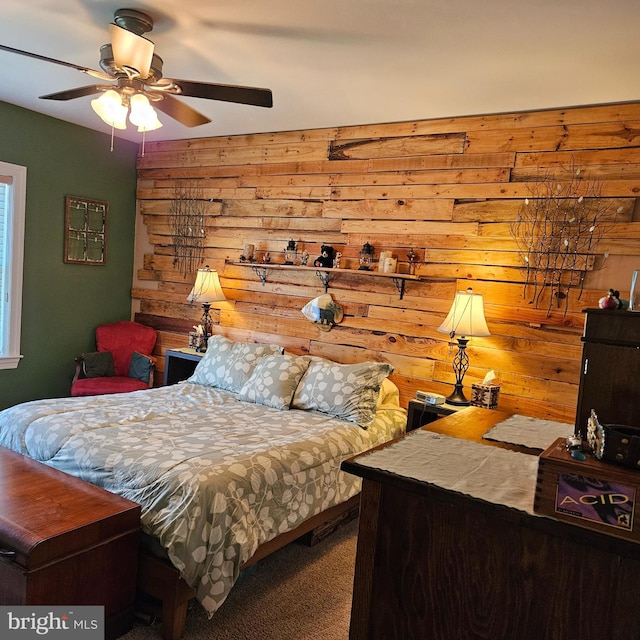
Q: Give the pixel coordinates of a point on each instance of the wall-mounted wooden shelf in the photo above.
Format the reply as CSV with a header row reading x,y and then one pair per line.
x,y
325,274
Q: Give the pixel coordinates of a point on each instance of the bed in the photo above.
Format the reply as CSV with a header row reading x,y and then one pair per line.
x,y
225,464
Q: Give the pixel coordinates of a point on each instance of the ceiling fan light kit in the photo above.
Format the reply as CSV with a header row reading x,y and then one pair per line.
x,y
130,60
110,109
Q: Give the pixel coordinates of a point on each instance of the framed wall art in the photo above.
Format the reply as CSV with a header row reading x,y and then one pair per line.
x,y
85,231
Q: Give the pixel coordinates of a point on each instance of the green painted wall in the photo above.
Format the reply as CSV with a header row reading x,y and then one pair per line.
x,y
63,303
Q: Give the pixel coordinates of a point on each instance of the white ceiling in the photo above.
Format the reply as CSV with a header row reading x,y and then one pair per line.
x,y
338,62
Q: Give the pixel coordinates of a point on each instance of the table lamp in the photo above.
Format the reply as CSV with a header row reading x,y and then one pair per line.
x,y
206,290
465,320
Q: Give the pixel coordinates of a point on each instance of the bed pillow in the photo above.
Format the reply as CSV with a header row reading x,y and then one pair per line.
x,y
389,394
140,367
98,364
346,391
228,365
274,380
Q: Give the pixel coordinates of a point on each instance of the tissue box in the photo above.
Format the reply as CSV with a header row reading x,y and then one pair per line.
x,y
195,340
485,395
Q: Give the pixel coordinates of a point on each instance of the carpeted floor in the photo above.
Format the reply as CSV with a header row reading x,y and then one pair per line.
x,y
297,593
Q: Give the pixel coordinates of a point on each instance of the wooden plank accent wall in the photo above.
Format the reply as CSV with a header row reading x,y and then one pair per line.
x,y
448,188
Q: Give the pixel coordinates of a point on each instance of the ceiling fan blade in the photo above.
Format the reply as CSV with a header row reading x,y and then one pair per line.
x,y
225,92
80,92
91,72
179,111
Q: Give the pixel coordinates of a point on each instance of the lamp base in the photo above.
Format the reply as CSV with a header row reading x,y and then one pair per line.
x,y
457,397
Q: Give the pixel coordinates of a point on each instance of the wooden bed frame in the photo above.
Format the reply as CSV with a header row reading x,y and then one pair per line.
x,y
160,580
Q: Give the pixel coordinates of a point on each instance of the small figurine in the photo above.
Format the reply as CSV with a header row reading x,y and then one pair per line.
x,y
247,253
336,260
266,257
327,254
412,258
611,300
304,258
291,252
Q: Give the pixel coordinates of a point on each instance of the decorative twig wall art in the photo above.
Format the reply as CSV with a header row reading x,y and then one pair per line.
x,y
557,231
85,233
187,226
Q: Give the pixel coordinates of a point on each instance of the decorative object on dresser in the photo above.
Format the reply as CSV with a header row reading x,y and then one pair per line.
x,y
615,443
206,290
634,292
465,320
611,300
589,493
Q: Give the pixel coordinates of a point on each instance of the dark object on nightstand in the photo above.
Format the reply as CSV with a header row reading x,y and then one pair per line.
x,y
421,413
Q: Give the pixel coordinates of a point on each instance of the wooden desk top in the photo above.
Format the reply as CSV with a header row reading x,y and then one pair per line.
x,y
467,426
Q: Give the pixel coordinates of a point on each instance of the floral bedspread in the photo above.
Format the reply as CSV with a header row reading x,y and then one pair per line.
x,y
215,477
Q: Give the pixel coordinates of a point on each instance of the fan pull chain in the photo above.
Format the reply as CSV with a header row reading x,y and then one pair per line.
x,y
112,132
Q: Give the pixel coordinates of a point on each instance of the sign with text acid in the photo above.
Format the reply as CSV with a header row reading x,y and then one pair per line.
x,y
600,501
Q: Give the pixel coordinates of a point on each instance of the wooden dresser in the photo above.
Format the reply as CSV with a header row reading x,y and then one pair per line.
x,y
434,563
64,541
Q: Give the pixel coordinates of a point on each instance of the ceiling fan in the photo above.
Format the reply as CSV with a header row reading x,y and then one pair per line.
x,y
129,60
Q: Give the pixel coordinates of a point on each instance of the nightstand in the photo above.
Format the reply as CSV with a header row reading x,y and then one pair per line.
x,y
179,364
421,413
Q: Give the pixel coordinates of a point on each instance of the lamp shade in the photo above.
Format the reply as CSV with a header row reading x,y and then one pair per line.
x,y
206,288
466,316
110,109
142,114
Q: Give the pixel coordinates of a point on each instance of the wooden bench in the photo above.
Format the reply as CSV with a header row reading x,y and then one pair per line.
x,y
64,541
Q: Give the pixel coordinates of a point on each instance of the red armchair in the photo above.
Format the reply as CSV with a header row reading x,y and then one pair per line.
x,y
122,362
